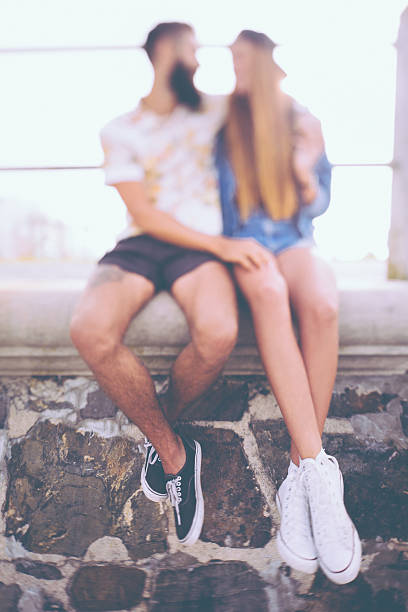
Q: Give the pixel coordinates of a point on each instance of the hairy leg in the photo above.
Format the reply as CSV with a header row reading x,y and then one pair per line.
x,y
110,300
267,295
207,297
313,293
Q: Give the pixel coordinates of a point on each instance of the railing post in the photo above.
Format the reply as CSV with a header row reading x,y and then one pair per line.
x,y
398,236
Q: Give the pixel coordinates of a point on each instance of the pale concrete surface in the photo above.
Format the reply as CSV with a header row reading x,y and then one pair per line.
x,y
36,302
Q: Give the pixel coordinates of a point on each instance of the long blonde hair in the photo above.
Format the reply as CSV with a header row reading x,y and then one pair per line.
x,y
259,137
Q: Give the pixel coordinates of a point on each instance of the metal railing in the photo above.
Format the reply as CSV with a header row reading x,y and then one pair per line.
x,y
90,48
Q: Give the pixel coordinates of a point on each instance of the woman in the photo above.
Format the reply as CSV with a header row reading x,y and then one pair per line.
x,y
274,178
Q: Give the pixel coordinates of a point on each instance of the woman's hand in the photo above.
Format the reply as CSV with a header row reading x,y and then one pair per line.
x,y
247,252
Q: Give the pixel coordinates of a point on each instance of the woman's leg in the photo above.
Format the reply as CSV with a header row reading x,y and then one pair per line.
x,y
267,294
313,294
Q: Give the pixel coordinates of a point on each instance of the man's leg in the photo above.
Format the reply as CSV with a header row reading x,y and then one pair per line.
x,y
100,320
207,297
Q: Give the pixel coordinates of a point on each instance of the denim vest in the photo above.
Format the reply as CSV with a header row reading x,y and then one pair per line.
x,y
303,218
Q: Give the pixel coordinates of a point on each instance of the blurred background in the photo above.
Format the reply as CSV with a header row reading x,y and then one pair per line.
x,y
68,67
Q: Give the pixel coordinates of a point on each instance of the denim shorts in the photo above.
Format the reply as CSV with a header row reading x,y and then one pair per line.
x,y
277,236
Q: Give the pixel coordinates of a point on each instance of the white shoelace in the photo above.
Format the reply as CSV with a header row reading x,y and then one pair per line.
x,y
325,500
153,457
295,510
174,491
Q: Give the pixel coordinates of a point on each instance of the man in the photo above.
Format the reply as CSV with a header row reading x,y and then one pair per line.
x,y
159,158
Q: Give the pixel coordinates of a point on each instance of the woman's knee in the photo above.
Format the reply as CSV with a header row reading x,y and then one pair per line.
x,y
322,310
270,290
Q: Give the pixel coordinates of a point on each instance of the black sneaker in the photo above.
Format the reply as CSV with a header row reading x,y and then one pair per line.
x,y
152,478
184,490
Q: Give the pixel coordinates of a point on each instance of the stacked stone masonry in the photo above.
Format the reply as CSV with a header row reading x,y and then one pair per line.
x,y
77,533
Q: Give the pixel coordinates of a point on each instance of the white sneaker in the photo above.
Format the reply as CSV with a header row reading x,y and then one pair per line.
x,y
295,540
336,538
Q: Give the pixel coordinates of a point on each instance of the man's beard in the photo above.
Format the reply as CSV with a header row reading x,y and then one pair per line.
x,y
182,85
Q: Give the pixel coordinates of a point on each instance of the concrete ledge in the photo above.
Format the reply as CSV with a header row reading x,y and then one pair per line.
x,y
34,339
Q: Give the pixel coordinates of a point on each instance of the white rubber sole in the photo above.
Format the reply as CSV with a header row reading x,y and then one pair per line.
x,y
350,572
308,566
197,524
150,494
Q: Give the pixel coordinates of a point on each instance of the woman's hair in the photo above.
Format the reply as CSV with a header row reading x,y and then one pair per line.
x,y
259,137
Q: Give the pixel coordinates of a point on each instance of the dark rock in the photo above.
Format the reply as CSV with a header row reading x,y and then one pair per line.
x,y
145,534
404,417
67,489
235,509
226,400
357,596
98,406
391,600
350,402
274,445
106,587
375,476
38,569
3,406
9,596
219,586
51,604
375,485
373,591
388,576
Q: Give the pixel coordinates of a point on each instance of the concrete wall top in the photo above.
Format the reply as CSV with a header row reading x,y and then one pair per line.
x,y
34,323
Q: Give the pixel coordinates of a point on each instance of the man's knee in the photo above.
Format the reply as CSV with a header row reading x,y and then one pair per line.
x,y
91,338
214,339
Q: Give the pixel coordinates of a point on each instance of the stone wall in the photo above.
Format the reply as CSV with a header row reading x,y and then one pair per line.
x,y
77,532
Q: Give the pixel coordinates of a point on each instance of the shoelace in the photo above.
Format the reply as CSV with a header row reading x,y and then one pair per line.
x,y
295,499
174,491
320,483
153,457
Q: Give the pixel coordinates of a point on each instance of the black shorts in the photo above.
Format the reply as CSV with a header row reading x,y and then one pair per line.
x,y
161,262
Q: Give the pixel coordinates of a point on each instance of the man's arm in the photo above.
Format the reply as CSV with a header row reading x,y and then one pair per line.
x,y
163,226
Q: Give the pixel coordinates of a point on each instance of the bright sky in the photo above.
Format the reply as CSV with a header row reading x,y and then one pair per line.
x,y
338,54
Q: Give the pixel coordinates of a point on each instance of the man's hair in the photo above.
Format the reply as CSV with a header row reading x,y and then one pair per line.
x,y
163,30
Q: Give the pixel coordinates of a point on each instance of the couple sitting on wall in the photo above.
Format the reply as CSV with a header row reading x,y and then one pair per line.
x,y
220,194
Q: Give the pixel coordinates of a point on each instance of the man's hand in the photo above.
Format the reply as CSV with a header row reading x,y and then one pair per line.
x,y
244,251
247,252
305,175
309,145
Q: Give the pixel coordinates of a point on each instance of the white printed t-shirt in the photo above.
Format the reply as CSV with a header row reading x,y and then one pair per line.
x,y
172,155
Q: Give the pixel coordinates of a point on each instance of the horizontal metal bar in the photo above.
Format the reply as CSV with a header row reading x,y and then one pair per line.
x,y
64,49
82,48
390,164
30,168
